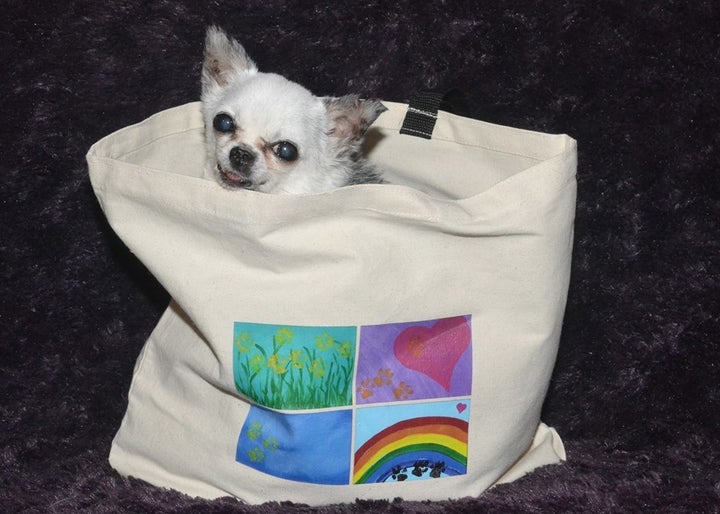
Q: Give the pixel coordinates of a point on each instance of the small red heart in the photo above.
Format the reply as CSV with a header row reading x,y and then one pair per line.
x,y
461,407
434,351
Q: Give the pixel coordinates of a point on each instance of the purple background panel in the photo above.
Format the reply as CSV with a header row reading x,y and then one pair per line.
x,y
381,377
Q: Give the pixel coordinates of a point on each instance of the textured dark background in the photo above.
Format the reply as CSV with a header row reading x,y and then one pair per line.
x,y
636,390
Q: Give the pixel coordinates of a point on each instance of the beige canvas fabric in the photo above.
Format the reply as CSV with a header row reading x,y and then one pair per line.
x,y
375,341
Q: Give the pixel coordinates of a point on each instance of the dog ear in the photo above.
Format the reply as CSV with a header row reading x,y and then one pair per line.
x,y
223,57
349,116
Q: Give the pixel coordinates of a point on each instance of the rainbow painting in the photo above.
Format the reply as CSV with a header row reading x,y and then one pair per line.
x,y
413,449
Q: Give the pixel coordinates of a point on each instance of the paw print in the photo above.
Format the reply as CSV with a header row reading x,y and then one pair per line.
x,y
402,391
364,390
399,473
383,379
256,455
437,469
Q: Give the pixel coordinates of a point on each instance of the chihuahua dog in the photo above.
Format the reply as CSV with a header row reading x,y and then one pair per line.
x,y
268,134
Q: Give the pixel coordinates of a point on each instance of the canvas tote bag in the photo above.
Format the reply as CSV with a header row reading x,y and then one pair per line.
x,y
375,341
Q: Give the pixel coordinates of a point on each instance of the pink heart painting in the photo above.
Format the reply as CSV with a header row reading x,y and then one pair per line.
x,y
434,351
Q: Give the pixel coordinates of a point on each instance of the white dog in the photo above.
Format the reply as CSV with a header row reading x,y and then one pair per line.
x,y
272,135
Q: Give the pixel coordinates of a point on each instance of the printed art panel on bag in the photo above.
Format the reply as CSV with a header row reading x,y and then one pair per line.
x,y
301,447
411,441
414,361
294,367
354,405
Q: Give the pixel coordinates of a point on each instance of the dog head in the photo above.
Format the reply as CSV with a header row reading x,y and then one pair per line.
x,y
269,134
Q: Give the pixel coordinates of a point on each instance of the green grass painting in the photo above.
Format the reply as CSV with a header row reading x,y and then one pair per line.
x,y
294,367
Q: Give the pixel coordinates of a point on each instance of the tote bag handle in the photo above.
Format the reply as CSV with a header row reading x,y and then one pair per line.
x,y
422,111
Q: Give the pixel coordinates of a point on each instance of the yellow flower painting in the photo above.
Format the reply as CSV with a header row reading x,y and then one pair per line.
x,y
294,367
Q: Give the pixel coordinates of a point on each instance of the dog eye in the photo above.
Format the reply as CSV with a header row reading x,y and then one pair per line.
x,y
285,151
224,123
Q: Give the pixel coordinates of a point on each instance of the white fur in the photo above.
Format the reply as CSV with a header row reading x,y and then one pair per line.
x,y
266,109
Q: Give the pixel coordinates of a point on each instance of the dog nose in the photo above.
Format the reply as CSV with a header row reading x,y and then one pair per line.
x,y
241,158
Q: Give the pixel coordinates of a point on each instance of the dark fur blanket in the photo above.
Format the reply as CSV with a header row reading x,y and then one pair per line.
x,y
636,390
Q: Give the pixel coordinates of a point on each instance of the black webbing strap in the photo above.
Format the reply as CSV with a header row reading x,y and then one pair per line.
x,y
423,108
